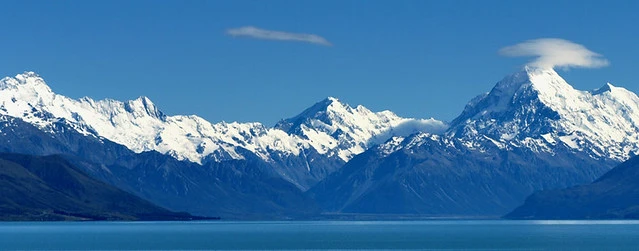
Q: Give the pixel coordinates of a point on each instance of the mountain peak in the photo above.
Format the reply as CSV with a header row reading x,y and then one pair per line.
x,y
331,99
324,105
24,91
538,70
536,103
143,106
28,74
529,99
330,103
144,100
319,111
605,88
614,90
540,79
27,79
532,82
547,80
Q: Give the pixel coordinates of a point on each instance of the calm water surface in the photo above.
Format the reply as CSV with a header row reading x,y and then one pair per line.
x,y
360,235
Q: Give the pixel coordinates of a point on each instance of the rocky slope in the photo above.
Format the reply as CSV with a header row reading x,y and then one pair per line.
x,y
613,196
50,188
230,189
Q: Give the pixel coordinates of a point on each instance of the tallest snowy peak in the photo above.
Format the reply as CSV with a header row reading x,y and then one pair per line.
x,y
542,80
547,80
536,103
519,88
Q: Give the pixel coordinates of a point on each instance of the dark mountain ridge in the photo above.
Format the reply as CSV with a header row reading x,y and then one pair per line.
x,y
50,188
438,179
229,189
615,195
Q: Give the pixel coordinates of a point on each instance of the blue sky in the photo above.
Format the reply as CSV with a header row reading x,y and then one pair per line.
x,y
416,58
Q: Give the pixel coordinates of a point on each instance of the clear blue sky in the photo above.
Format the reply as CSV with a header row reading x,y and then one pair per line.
x,y
417,58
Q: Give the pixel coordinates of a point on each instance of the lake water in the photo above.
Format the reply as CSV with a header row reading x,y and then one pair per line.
x,y
360,235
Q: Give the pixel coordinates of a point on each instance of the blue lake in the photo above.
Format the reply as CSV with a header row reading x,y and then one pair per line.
x,y
381,235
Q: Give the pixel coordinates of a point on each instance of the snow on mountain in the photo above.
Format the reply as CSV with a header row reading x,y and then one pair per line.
x,y
141,126
137,124
335,128
531,132
539,109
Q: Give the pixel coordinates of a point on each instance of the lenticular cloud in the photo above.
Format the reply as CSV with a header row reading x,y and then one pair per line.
x,y
555,52
258,33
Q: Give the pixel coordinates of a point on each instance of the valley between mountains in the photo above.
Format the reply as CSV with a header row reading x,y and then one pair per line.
x,y
532,131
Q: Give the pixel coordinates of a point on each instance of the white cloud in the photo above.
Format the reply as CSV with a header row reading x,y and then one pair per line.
x,y
555,52
254,32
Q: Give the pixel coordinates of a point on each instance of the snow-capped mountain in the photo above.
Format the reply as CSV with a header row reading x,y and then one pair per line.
x,y
330,128
532,131
335,128
137,124
538,109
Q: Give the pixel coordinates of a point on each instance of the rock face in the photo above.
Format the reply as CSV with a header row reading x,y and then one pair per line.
x,y
613,196
50,188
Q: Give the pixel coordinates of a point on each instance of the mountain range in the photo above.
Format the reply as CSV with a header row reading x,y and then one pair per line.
x,y
532,131
330,130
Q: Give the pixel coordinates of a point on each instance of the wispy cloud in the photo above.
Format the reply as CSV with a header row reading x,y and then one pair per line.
x,y
555,52
254,32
